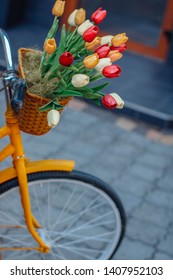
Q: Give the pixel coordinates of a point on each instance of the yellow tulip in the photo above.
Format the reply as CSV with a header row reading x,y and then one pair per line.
x,y
80,16
119,39
58,8
92,46
91,61
50,46
114,55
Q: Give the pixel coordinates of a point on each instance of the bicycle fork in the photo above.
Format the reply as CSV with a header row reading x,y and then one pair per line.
x,y
15,149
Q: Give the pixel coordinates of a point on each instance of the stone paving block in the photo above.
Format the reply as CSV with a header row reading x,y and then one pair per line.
x,y
78,117
161,198
145,172
165,245
161,149
154,160
109,175
136,139
162,256
126,124
133,250
121,149
129,201
170,230
149,212
166,183
133,185
144,231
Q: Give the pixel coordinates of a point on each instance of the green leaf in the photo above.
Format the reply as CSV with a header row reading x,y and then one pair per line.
x,y
56,105
67,93
46,107
53,29
100,87
97,102
61,47
92,95
96,77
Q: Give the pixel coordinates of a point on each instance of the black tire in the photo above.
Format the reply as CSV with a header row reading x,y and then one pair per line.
x,y
76,222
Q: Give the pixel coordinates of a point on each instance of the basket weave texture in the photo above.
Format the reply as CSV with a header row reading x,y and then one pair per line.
x,y
31,120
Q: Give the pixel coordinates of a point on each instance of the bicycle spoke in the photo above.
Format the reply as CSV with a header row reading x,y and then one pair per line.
x,y
78,221
12,219
38,207
64,208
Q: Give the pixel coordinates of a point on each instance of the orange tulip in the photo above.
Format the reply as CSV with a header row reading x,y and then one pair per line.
x,y
114,55
80,16
91,61
92,46
50,46
119,39
58,8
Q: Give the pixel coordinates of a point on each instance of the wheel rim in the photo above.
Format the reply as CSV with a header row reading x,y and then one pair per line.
x,y
79,221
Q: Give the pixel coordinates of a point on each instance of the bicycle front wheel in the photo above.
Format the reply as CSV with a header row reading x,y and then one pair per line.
x,y
81,217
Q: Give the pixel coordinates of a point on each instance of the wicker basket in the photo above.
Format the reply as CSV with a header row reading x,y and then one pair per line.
x,y
30,119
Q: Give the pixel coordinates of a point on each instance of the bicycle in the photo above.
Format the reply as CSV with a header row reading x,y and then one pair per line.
x,y
48,210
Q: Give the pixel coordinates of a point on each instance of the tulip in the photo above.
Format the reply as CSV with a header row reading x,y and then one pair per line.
x,y
71,18
50,46
84,26
119,39
114,55
106,40
103,62
80,16
92,46
53,118
98,16
121,48
112,101
91,61
120,102
103,51
90,34
109,102
66,59
80,80
111,71
58,8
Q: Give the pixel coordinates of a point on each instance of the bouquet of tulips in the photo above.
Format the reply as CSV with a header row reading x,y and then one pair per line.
x,y
81,58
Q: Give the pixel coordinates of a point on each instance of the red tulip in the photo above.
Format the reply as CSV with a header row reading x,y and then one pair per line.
x,y
99,15
111,71
66,59
90,34
103,51
121,48
109,101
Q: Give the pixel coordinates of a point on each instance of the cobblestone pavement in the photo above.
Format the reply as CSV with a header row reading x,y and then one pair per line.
x,y
134,158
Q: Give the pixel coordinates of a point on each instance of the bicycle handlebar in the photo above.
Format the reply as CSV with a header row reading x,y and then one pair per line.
x,y
10,79
19,86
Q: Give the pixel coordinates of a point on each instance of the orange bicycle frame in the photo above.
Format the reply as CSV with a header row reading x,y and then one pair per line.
x,y
22,166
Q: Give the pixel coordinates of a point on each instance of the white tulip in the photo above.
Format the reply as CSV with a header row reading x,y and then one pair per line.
x,y
118,99
103,62
106,40
80,80
84,26
71,18
53,118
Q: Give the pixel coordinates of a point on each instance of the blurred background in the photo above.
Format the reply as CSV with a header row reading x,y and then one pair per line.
x,y
148,25
131,150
